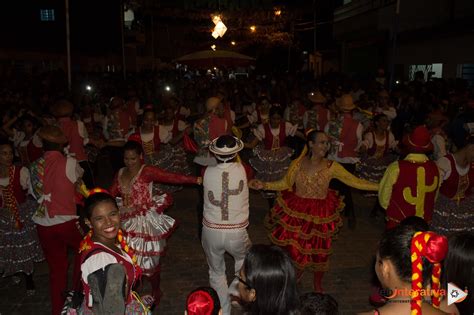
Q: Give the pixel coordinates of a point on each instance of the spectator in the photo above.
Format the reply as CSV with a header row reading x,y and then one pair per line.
x,y
267,282
404,261
459,270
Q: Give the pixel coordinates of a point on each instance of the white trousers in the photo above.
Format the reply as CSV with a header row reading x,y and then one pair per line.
x,y
215,243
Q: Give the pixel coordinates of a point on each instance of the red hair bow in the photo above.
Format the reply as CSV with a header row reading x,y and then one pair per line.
x,y
200,303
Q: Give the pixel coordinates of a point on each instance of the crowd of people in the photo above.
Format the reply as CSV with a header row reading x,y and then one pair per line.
x,y
304,144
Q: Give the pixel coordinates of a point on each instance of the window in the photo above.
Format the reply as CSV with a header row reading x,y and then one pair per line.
x,y
429,71
47,15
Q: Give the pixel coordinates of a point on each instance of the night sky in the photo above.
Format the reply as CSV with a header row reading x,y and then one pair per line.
x,y
93,23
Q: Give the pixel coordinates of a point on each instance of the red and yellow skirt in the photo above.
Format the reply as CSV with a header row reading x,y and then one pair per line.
x,y
305,227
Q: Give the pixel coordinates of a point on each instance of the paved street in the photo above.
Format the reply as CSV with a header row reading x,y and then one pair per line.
x,y
185,267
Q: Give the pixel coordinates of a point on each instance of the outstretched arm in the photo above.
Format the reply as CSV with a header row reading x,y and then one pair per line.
x,y
339,172
156,174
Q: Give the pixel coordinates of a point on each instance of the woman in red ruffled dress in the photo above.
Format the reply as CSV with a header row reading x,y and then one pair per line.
x,y
306,215
145,226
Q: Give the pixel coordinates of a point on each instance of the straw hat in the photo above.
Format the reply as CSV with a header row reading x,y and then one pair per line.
x,y
345,103
419,140
212,103
52,134
316,97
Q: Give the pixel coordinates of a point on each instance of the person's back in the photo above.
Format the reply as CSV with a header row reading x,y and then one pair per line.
x,y
229,180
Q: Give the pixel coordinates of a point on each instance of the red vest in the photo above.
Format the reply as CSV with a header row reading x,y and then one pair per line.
x,y
175,130
131,275
228,118
217,127
132,113
125,122
76,142
457,186
268,141
29,153
322,116
56,183
373,149
18,192
348,137
404,201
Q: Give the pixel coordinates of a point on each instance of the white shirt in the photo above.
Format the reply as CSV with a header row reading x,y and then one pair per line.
x,y
368,141
24,179
166,131
444,166
439,146
18,139
290,130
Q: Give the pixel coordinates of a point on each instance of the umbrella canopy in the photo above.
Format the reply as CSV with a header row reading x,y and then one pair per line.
x,y
211,58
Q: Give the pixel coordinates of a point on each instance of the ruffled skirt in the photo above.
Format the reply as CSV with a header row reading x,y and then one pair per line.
x,y
172,158
450,217
372,169
19,249
270,165
305,227
146,231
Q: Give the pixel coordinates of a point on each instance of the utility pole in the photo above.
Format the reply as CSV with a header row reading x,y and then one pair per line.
x,y
68,47
124,67
314,26
396,24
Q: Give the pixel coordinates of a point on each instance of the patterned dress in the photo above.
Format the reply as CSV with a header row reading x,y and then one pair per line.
x,y
372,166
172,157
19,245
306,216
145,227
454,207
272,157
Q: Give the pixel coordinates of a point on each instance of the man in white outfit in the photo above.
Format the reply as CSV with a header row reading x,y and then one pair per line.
x,y
226,215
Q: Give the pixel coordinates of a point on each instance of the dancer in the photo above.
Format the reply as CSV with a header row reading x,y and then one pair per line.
x,y
409,187
19,245
77,136
25,140
453,209
226,214
109,266
377,146
273,158
307,213
171,156
145,226
345,133
53,179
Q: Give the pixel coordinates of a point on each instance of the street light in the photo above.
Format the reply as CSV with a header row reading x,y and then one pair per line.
x,y
253,28
232,43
